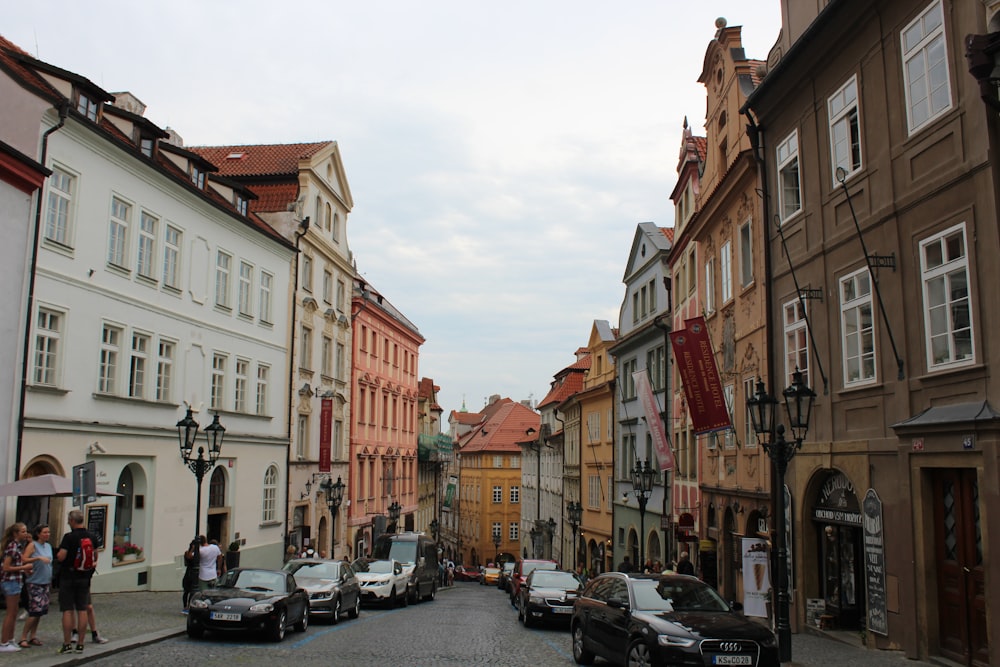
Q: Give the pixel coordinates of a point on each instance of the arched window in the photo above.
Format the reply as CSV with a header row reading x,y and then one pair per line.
x,y
123,506
270,504
328,218
217,489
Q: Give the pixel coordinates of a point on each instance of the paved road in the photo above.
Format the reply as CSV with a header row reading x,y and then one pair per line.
x,y
468,625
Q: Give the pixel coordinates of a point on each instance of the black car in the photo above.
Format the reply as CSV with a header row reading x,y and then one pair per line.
x,y
332,586
265,601
503,581
649,619
548,595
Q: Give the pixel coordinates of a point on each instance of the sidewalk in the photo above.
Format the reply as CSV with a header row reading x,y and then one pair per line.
x,y
126,619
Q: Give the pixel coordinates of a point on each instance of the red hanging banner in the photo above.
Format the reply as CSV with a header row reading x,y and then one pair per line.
x,y
325,428
700,377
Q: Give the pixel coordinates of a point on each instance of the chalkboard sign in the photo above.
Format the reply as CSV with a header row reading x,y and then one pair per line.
x,y
97,523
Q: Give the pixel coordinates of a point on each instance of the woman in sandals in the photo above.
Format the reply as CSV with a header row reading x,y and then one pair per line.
x,y
11,580
39,554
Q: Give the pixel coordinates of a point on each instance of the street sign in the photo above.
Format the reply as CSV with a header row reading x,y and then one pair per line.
x,y
84,483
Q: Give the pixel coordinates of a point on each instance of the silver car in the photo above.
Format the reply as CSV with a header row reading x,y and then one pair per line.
x,y
332,585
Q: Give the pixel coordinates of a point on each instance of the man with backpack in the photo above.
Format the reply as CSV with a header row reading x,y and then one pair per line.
x,y
78,556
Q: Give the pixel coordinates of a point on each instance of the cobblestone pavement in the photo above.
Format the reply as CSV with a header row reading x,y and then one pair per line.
x,y
467,625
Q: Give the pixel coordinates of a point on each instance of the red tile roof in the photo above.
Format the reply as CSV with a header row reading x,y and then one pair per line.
x,y
259,159
503,430
467,418
701,146
273,197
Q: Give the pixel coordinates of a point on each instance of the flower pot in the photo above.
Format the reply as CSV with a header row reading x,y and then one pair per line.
x,y
128,557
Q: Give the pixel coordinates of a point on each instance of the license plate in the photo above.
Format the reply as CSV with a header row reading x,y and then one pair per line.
x,y
732,660
224,616
562,610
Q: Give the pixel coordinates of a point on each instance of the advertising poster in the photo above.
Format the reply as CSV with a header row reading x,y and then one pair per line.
x,y
756,577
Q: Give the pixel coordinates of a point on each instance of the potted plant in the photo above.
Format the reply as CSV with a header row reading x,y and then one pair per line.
x,y
127,551
233,555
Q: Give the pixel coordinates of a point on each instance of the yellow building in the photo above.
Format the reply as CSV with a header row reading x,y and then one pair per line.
x,y
489,483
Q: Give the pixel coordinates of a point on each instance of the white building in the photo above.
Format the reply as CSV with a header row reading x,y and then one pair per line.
x,y
155,290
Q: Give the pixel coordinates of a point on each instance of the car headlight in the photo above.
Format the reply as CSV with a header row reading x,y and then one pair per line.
x,y
382,582
199,604
675,640
770,641
321,595
263,607
536,599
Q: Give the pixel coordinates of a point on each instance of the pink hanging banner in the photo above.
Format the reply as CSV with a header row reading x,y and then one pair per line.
x,y
644,391
700,377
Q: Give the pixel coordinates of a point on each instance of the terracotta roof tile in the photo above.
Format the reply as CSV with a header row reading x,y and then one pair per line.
x,y
701,146
503,430
273,197
10,62
259,159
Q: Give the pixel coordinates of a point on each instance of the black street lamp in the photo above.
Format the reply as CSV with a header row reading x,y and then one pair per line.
x,y
435,527
496,547
334,492
394,510
574,511
187,434
642,487
798,404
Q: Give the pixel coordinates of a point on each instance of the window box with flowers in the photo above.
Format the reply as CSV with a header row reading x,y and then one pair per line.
x,y
127,552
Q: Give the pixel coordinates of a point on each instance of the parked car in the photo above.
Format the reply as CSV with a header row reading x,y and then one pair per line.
x,y
490,576
651,619
503,581
466,573
261,601
382,581
331,584
521,571
419,555
548,595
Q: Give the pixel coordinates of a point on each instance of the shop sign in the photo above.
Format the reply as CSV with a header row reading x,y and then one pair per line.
x,y
878,620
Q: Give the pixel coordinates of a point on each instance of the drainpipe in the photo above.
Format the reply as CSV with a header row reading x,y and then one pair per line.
x,y
304,226
63,109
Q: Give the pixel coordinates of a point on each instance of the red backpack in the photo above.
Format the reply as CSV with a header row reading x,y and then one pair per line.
x,y
86,557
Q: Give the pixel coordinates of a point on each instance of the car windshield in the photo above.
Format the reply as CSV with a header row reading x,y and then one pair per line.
x,y
313,569
528,568
544,579
508,567
401,550
255,580
380,566
676,595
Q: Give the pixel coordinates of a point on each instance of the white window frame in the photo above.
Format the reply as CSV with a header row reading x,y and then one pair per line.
x,y
269,495
47,358
729,395
263,379
497,494
845,129
172,240
858,307
223,276
746,254
515,495
220,363
512,531
301,437
246,289
145,262
120,218
166,350
787,161
305,349
796,340
948,271
59,206
710,285
242,384
266,294
107,373
924,50
341,291
138,365
339,361
726,272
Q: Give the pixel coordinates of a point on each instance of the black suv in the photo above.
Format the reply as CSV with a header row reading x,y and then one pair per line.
x,y
418,554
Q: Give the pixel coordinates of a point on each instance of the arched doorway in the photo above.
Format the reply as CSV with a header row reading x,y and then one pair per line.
x,y
653,551
837,519
632,548
218,510
323,540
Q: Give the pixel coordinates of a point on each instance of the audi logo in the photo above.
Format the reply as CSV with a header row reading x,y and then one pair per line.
x,y
729,647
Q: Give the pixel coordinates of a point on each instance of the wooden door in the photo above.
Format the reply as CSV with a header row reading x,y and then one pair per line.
x,y
959,555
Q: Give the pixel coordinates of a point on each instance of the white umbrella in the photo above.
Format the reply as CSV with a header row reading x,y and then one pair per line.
x,y
42,485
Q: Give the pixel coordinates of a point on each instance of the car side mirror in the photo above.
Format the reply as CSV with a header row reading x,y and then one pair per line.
x,y
737,606
618,603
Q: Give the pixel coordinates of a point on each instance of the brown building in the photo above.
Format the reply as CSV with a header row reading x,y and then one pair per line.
x,y
882,188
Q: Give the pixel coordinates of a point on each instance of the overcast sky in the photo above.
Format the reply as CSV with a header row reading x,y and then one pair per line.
x,y
500,155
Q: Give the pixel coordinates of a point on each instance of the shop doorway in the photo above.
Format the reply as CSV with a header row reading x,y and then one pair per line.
x,y
837,516
958,548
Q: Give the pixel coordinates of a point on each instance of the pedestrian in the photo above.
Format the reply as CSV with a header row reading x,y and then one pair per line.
x,y
684,565
95,636
290,552
189,583
12,580
220,566
38,583
209,556
78,558
625,566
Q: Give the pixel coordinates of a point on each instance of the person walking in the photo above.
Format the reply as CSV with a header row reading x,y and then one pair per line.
x,y
626,565
12,579
189,583
78,561
209,557
38,583
684,565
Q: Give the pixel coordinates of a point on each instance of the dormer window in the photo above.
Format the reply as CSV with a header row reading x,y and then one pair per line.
x,y
241,203
87,107
198,177
146,146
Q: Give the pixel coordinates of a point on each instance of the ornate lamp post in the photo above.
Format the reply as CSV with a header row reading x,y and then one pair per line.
x,y
187,434
642,487
575,513
334,492
496,547
798,403
394,510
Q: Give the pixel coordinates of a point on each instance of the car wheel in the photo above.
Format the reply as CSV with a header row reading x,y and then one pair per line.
x,y
195,631
430,596
304,623
638,654
337,611
580,654
391,602
414,593
520,613
525,617
404,599
355,611
278,631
